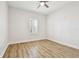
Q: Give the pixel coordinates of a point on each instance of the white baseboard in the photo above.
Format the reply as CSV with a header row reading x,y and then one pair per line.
x,y
24,41
66,44
1,54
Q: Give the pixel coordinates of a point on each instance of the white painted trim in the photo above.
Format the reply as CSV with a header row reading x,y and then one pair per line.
x,y
66,44
1,55
25,41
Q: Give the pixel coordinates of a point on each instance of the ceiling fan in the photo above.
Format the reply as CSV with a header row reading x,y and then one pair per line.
x,y
43,3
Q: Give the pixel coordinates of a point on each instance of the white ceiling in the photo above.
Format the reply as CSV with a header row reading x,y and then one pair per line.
x,y
32,6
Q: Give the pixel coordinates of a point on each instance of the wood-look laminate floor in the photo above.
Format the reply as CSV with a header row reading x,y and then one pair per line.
x,y
40,49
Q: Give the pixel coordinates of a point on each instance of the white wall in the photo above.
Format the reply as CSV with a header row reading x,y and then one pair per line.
x,y
3,27
63,25
18,25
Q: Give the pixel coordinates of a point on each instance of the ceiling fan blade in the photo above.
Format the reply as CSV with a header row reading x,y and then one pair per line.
x,y
46,5
38,6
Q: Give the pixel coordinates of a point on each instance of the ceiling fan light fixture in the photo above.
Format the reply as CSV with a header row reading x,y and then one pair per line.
x,y
42,3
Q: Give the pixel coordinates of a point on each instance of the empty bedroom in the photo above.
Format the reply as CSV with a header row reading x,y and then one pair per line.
x,y
39,29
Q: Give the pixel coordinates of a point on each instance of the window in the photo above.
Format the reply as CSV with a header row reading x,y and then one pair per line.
x,y
33,24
